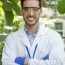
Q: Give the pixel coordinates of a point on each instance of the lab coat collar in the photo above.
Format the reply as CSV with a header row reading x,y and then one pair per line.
x,y
38,39
23,37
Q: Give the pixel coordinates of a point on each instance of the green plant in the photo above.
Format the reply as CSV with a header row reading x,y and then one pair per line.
x,y
61,6
10,8
1,47
10,19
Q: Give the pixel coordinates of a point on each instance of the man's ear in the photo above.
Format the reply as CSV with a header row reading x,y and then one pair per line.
x,y
40,11
21,12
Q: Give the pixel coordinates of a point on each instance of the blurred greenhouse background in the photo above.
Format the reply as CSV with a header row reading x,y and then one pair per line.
x,y
53,16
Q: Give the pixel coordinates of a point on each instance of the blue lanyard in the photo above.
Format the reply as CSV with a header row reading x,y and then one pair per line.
x,y
33,53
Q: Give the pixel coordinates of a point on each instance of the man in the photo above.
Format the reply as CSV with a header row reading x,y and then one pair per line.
x,y
33,45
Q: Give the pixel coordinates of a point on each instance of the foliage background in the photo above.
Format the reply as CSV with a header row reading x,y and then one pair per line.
x,y
11,19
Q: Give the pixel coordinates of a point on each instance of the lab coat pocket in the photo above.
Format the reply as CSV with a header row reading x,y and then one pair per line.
x,y
42,53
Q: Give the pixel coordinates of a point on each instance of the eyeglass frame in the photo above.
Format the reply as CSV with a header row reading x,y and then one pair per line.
x,y
34,9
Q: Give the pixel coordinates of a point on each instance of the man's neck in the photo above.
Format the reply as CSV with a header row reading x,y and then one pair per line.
x,y
33,29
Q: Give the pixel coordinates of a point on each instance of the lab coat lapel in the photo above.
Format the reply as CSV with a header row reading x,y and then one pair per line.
x,y
39,37
39,40
24,37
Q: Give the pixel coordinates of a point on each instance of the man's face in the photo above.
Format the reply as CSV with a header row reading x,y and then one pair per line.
x,y
31,12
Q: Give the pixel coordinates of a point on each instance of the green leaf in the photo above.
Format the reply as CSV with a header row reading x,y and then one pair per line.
x,y
61,6
7,6
3,1
9,16
2,38
14,1
16,8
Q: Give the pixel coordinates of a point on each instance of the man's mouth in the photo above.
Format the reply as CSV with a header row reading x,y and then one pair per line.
x,y
31,18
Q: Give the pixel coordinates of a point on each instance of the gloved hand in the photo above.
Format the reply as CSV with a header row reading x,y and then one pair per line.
x,y
20,60
46,57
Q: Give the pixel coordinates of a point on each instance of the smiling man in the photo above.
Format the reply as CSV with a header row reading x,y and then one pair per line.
x,y
31,11
33,45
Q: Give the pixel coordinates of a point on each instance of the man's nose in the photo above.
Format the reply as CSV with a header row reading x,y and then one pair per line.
x,y
31,12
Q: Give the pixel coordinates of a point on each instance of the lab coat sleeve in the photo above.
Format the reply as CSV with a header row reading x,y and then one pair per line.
x,y
56,55
9,51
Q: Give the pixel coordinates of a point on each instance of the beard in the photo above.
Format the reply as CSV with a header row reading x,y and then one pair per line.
x,y
31,20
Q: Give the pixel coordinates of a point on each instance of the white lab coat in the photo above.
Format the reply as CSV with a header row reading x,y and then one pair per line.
x,y
49,43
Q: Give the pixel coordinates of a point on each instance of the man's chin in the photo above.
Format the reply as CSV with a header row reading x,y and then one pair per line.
x,y
31,24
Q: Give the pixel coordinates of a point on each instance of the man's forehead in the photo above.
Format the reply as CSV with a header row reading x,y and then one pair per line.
x,y
30,0
31,3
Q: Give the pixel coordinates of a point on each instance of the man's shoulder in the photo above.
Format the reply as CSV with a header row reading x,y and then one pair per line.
x,y
16,33
49,31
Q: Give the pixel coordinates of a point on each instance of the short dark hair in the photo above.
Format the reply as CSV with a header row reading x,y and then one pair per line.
x,y
24,0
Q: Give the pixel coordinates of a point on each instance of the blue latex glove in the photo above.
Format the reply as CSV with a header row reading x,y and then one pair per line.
x,y
20,60
46,57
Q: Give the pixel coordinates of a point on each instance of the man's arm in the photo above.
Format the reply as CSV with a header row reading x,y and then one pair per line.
x,y
56,55
9,51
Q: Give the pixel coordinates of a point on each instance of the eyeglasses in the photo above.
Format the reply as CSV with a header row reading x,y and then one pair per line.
x,y
34,9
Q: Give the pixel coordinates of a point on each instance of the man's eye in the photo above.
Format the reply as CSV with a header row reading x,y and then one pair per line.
x,y
25,8
35,9
31,8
